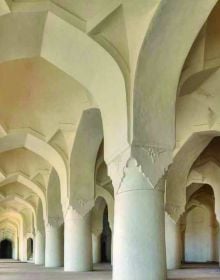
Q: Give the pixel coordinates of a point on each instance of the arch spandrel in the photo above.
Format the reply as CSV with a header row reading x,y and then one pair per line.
x,y
153,101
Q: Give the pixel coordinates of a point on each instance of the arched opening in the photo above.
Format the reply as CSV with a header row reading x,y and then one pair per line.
x,y
6,249
199,232
106,238
30,248
103,211
101,231
198,236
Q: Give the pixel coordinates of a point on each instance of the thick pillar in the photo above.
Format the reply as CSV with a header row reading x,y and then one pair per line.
x,y
96,248
54,246
139,229
39,248
78,242
173,243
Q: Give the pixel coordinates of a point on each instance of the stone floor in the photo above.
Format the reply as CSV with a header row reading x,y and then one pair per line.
x,y
10,270
196,271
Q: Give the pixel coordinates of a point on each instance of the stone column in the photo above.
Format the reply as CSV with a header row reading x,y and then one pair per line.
x,y
96,248
139,228
54,246
173,243
78,242
15,249
39,248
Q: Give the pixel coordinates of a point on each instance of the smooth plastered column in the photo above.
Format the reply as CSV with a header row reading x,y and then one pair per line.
x,y
96,248
39,248
78,242
15,250
54,246
173,243
139,229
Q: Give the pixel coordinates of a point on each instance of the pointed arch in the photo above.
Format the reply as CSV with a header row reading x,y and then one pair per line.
x,y
83,160
154,102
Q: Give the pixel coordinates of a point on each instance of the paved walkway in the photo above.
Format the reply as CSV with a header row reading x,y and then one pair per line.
x,y
12,270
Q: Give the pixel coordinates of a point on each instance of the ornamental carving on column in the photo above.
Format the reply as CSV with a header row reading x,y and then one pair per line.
x,y
55,221
134,179
73,214
175,211
127,173
116,168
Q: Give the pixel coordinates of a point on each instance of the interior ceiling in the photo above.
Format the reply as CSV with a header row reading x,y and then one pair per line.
x,y
84,9
33,94
204,195
211,152
23,161
16,188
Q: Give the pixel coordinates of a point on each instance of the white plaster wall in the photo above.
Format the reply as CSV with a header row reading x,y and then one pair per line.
x,y
199,236
173,243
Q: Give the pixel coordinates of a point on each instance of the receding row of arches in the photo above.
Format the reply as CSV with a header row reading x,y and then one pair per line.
x,y
7,249
57,202
102,252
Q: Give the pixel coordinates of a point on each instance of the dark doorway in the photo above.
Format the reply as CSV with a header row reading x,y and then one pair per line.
x,y
30,248
6,249
106,239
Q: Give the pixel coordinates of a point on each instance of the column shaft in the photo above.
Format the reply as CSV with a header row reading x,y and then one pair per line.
x,y
96,248
173,244
139,236
54,246
78,242
39,248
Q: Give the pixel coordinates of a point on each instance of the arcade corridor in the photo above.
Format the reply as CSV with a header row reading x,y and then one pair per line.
x,y
109,139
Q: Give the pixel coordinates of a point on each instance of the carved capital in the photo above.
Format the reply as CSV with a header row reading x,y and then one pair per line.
x,y
40,233
174,211
116,168
127,172
153,159
73,214
134,179
55,221
81,205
